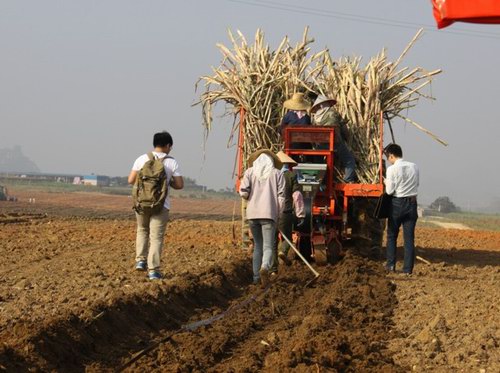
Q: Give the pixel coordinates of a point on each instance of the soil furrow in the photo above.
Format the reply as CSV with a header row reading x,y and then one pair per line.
x,y
340,324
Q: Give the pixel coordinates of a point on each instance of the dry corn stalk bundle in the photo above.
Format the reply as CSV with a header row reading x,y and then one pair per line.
x,y
259,80
362,92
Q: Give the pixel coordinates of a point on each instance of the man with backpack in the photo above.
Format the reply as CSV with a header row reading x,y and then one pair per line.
x,y
152,174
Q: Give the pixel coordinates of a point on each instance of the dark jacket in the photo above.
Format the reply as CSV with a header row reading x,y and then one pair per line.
x,y
291,119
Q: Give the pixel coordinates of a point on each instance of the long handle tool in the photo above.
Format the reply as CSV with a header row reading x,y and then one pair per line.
x,y
316,274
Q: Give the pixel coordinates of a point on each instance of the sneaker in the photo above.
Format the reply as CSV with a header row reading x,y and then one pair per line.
x,y
284,258
264,277
140,265
154,275
408,274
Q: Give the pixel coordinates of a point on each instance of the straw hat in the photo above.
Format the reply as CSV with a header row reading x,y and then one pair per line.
x,y
277,163
284,158
297,102
322,100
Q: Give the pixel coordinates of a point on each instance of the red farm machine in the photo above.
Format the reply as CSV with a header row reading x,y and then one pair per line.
x,y
336,213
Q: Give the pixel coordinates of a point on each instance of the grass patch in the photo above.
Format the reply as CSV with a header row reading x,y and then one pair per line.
x,y
474,220
58,187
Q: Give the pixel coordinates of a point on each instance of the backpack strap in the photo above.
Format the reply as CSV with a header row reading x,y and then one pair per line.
x,y
151,157
165,157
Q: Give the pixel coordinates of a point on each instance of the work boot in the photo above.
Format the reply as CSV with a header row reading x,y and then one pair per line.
x,y
264,277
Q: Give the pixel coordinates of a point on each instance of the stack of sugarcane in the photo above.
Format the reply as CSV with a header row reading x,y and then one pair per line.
x,y
259,80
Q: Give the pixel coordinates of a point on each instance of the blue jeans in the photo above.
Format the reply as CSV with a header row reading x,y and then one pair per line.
x,y
263,232
403,212
347,160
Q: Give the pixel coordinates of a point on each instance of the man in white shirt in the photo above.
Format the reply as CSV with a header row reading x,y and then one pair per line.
x,y
151,227
401,181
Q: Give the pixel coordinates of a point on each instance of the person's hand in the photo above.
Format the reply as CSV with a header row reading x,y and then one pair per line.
x,y
300,222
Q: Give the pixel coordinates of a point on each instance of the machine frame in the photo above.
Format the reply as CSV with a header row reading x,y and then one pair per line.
x,y
329,206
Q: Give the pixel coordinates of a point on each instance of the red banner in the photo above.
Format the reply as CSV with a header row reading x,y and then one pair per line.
x,y
474,11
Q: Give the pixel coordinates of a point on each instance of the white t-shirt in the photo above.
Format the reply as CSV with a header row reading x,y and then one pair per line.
x,y
171,168
402,179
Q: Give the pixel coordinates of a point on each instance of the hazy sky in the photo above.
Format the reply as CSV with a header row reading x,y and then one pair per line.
x,y
85,84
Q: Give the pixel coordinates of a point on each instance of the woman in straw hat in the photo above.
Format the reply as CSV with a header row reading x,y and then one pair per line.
x,y
323,114
293,208
263,185
297,115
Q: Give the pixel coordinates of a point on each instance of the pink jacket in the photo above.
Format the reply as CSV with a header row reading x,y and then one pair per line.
x,y
266,198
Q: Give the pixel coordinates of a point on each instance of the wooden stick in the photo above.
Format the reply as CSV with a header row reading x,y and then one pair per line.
x,y
299,254
423,260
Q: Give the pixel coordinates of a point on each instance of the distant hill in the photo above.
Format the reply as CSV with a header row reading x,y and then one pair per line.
x,y
13,160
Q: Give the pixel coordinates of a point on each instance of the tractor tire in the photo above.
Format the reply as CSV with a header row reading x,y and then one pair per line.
x,y
367,230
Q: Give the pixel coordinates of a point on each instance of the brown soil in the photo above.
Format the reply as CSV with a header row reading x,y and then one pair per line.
x,y
447,315
71,301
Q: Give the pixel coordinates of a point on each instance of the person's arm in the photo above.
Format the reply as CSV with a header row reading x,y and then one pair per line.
x,y
390,184
177,182
295,184
245,185
136,167
298,205
132,176
281,192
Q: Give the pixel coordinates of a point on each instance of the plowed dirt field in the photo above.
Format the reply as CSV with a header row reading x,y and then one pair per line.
x,y
70,300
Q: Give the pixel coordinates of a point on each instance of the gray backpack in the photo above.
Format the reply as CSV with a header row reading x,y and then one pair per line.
x,y
150,188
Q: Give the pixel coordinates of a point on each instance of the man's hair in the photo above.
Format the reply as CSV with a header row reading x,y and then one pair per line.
x,y
162,139
393,149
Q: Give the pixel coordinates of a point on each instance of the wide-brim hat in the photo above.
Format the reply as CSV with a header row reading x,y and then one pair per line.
x,y
277,163
321,100
284,158
297,102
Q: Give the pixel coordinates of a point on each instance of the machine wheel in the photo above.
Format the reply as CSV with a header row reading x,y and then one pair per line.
x,y
367,231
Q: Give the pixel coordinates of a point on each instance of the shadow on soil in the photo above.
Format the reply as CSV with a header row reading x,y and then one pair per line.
x,y
10,361
77,345
464,257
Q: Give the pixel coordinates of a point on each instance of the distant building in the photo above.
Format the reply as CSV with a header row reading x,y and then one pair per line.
x,y
96,180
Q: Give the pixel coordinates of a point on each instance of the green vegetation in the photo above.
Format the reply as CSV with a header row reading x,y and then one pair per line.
x,y
444,204
191,190
477,221
473,220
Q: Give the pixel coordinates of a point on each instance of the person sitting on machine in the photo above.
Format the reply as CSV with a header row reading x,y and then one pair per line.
x,y
296,116
323,114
